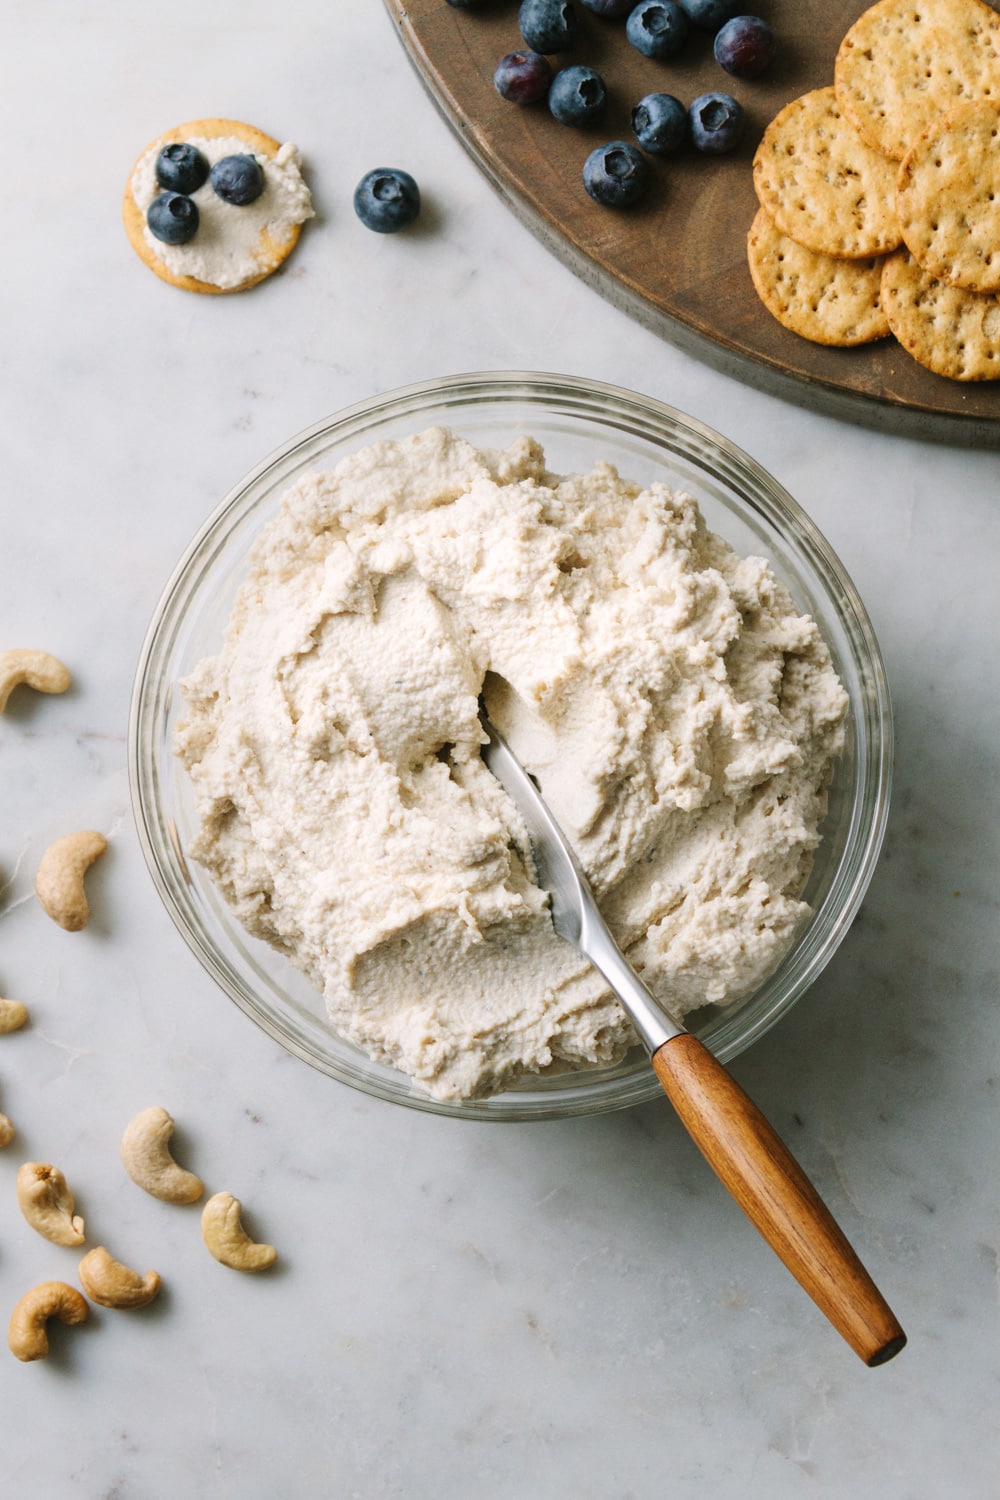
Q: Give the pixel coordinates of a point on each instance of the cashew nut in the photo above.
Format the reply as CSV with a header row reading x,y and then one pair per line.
x,y
110,1284
146,1157
6,1131
44,1198
45,673
26,1332
59,882
12,1015
228,1240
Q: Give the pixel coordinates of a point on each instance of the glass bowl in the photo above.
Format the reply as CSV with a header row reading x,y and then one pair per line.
x,y
578,422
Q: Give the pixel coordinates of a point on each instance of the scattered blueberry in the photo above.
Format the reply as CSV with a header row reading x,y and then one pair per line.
x,y
173,218
715,123
386,199
709,14
657,28
745,46
468,4
523,77
616,174
181,168
238,179
660,123
612,10
577,96
547,25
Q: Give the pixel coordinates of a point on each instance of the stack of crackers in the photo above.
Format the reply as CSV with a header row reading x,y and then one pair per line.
x,y
880,195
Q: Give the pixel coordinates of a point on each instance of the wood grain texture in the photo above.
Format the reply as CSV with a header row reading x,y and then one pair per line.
x,y
677,261
767,1182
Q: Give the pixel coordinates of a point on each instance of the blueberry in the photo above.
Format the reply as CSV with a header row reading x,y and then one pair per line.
x,y
660,123
173,218
523,77
709,14
386,199
468,4
616,174
715,122
577,96
745,46
612,10
238,179
181,168
657,28
547,25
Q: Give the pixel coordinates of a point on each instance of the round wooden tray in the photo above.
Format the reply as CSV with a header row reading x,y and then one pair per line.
x,y
677,261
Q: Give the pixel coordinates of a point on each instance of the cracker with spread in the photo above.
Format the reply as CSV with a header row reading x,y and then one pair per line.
x,y
215,205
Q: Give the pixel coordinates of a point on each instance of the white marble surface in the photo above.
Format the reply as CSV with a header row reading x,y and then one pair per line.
x,y
564,1310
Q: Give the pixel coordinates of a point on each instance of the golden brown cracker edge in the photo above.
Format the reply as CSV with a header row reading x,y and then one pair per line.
x,y
135,223
948,197
951,331
822,184
827,300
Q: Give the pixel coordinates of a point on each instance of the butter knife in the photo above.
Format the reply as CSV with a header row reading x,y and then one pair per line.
x,y
741,1147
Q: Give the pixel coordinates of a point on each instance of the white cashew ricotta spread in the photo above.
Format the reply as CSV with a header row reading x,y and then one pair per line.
x,y
681,715
234,243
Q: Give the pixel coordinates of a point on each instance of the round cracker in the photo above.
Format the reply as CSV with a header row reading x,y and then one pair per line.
x,y
824,298
948,197
822,184
952,331
902,63
135,223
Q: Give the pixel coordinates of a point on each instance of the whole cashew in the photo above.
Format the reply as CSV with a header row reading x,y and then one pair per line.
x,y
12,1015
26,1332
110,1284
6,1131
44,673
228,1240
46,1202
145,1153
59,882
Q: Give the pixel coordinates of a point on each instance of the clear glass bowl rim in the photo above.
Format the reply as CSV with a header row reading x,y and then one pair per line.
x,y
613,407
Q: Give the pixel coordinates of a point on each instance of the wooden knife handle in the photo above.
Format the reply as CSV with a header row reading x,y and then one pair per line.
x,y
767,1182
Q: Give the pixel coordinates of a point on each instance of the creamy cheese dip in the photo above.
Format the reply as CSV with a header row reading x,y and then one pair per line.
x,y
234,243
679,712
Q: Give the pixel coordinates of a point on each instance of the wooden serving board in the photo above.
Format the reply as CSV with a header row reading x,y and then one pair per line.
x,y
677,260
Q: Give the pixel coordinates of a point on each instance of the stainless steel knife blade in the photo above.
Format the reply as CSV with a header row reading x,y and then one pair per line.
x,y
575,915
